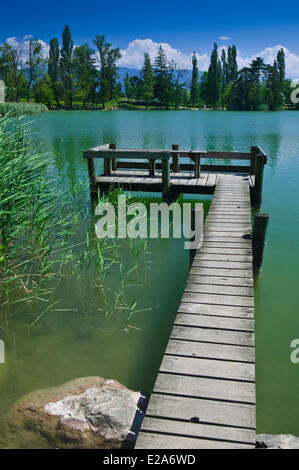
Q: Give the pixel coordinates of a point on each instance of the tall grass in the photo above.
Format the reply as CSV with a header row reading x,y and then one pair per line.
x,y
47,239
18,109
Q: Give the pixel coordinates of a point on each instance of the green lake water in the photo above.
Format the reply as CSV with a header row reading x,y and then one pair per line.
x,y
63,346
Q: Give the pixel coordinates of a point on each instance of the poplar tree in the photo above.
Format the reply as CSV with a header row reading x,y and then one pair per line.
x,y
54,70
214,78
66,66
281,65
194,89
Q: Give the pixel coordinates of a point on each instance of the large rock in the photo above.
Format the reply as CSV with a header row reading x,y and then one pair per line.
x,y
277,441
85,413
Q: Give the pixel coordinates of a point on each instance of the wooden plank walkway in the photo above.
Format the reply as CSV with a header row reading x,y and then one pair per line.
x,y
204,395
181,182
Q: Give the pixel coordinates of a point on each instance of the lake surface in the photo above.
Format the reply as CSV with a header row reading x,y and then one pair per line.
x,y
63,347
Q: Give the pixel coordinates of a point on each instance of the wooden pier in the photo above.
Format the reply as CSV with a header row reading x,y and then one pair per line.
x,y
204,395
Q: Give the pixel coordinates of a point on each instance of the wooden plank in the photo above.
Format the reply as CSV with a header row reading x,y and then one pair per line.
x,y
218,299
216,289
208,368
164,441
229,272
210,350
221,264
220,281
217,310
212,335
202,255
210,321
225,251
201,387
198,430
183,408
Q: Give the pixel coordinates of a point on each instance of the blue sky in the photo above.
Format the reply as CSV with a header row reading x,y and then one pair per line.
x,y
184,26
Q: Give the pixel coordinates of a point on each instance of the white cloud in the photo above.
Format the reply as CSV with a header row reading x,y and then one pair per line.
x,y
133,55
15,42
224,38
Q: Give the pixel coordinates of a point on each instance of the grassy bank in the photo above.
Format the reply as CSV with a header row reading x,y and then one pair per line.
x,y
18,109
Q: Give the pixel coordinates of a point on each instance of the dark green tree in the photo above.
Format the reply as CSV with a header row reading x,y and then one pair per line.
x,y
107,58
147,76
85,74
194,89
54,70
214,79
128,88
33,61
162,78
66,66
281,65
12,71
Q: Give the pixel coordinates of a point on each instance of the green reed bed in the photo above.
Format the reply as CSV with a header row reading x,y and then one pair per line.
x,y
48,244
22,108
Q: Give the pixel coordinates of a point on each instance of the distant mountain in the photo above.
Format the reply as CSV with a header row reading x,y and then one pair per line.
x,y
122,71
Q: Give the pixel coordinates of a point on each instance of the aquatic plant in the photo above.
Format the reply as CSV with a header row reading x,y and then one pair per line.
x,y
47,238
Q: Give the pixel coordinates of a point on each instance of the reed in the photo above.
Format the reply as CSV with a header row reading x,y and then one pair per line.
x,y
47,239
18,109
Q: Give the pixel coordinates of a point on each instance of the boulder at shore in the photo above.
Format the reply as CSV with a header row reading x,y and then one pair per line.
x,y
277,441
85,413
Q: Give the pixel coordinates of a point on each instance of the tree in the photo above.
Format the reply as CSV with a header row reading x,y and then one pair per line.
x,y
161,71
33,61
275,99
107,58
232,66
85,74
194,89
147,76
54,70
214,78
128,87
42,89
66,66
281,65
136,86
11,70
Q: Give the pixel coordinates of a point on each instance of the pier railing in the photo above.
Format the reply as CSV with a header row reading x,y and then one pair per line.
x,y
169,160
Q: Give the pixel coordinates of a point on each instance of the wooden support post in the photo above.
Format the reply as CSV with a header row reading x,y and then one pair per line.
x,y
92,178
151,167
260,160
166,179
197,165
192,251
108,162
175,160
253,151
258,240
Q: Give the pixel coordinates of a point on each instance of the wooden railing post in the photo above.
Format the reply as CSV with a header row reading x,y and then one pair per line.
x,y
260,160
166,178
175,159
151,167
258,240
92,178
197,165
253,151
109,163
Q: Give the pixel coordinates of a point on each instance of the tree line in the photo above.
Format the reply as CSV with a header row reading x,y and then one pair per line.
x,y
88,75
